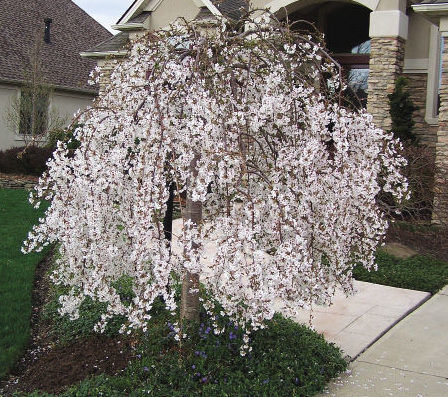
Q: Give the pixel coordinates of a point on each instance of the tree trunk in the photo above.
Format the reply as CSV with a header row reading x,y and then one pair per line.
x,y
168,219
190,284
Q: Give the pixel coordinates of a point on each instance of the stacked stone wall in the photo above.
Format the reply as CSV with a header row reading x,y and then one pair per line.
x,y
441,180
107,68
386,64
10,181
418,84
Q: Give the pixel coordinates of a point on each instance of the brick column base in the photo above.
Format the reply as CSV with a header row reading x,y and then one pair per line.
x,y
386,64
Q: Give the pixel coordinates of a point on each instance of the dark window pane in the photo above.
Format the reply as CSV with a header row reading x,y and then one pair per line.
x,y
33,111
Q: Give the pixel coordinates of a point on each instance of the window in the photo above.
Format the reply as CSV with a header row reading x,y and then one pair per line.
x,y
346,30
33,111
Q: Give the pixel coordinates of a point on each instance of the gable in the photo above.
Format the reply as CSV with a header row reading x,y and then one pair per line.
x,y
227,8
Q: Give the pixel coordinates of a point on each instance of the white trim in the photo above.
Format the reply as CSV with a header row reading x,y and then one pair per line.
x,y
152,5
127,16
209,5
276,5
391,23
432,88
102,54
416,65
128,26
141,5
430,8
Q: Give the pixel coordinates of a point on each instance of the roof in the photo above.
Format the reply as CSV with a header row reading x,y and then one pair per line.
x,y
231,8
114,43
140,18
22,44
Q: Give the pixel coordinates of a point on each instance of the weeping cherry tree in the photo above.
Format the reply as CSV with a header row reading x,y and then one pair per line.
x,y
246,119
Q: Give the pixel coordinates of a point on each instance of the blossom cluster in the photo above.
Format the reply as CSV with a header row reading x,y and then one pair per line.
x,y
287,178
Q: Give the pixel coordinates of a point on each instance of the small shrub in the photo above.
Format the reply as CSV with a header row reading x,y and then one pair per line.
x,y
401,111
31,161
64,135
420,172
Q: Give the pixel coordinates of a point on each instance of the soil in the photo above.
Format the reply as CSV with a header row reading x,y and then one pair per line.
x,y
424,240
52,367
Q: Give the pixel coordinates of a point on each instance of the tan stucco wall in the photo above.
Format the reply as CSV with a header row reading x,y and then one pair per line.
x,y
7,95
67,104
417,45
169,10
63,104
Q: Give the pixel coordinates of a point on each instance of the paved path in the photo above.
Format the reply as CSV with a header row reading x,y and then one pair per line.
x,y
352,323
410,360
356,322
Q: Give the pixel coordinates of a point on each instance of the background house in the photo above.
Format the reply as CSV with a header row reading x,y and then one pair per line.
x,y
374,40
40,41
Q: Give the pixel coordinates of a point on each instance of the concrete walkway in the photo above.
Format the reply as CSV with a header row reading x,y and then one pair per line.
x,y
352,323
410,360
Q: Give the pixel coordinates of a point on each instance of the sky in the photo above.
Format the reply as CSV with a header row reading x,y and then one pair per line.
x,y
106,12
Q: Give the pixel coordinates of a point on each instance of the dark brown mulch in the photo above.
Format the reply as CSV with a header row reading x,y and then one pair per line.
x,y
50,367
66,365
424,240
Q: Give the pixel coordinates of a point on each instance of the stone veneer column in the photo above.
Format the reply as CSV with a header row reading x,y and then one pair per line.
x,y
386,64
107,66
388,32
440,214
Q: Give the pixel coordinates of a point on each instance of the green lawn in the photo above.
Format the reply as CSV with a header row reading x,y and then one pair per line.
x,y
421,272
16,274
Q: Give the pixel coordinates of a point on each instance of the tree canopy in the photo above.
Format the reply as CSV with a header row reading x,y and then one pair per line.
x,y
246,118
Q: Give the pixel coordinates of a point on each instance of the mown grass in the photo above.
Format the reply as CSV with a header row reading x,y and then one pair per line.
x,y
16,274
420,272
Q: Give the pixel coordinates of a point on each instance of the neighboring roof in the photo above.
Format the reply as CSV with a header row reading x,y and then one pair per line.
x,y
22,35
231,8
112,44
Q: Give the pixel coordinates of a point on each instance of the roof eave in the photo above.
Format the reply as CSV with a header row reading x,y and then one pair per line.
x,y
431,9
103,54
137,7
123,27
79,90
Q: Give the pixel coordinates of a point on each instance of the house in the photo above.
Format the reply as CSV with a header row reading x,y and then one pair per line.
x,y
374,40
42,76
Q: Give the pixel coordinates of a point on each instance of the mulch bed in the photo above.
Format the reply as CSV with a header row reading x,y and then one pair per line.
x,y
50,367
63,366
425,240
